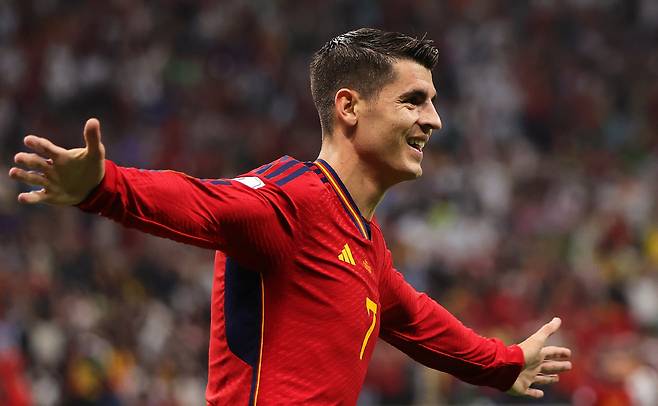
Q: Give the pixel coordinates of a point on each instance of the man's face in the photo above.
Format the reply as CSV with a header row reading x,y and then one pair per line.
x,y
394,126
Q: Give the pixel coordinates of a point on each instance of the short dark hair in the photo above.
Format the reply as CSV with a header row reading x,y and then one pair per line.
x,y
362,60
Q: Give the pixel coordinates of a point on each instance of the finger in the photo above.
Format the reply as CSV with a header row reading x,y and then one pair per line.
x,y
33,161
43,146
36,196
534,393
92,135
556,353
549,328
546,379
554,367
29,177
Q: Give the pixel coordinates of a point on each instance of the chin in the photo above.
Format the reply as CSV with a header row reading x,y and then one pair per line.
x,y
411,173
415,170
417,174
402,172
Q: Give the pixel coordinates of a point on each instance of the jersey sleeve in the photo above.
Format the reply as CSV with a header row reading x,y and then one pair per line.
x,y
249,219
428,333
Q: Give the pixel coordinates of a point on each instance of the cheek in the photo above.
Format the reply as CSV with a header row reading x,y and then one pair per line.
x,y
389,130
405,118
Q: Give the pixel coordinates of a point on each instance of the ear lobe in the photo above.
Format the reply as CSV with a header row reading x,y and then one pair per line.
x,y
346,102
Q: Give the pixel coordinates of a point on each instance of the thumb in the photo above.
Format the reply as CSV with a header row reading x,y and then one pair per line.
x,y
92,136
549,328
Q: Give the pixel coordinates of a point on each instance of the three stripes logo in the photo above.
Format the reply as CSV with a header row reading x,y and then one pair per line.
x,y
346,255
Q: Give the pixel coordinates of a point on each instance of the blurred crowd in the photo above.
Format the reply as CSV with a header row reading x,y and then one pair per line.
x,y
539,196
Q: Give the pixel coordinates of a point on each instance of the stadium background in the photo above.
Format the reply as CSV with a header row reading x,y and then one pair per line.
x,y
538,198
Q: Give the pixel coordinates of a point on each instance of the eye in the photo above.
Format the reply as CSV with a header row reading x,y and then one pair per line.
x,y
409,104
414,100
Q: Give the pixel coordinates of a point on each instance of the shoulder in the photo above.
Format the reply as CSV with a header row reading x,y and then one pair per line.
x,y
281,172
287,177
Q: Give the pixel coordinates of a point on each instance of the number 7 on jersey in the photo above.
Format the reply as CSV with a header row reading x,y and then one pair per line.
x,y
371,307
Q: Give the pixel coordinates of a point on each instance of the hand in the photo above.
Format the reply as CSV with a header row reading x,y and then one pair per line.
x,y
542,363
66,176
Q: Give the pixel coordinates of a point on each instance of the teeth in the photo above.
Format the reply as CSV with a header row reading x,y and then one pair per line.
x,y
417,144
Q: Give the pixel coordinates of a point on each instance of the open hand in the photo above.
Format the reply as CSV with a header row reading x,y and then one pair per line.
x,y
66,176
542,363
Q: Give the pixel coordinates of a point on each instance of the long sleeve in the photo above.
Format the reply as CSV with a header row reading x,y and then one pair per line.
x,y
249,219
428,333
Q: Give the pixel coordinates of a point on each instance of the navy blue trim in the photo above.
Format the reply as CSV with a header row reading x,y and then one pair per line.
x,y
254,382
264,168
281,169
292,176
317,171
366,223
220,182
354,220
243,316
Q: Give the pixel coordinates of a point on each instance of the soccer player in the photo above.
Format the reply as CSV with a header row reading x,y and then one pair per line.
x,y
304,284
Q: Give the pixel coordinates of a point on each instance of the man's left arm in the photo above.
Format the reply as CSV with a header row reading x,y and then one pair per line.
x,y
428,333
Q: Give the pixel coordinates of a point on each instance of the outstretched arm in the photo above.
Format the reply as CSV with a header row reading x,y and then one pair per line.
x,y
66,176
427,332
219,214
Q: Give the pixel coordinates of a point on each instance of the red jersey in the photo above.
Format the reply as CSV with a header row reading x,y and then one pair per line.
x,y
303,285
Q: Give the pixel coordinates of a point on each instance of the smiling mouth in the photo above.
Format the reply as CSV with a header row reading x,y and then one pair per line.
x,y
418,145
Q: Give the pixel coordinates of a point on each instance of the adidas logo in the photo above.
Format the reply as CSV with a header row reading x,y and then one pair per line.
x,y
346,255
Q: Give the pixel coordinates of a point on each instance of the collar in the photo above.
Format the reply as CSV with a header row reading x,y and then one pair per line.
x,y
345,198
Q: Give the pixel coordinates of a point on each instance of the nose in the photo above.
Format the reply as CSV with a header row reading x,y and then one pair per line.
x,y
429,119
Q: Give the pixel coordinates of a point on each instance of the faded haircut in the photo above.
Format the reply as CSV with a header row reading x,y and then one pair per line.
x,y
362,60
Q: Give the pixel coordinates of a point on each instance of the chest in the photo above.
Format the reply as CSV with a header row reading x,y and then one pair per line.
x,y
337,268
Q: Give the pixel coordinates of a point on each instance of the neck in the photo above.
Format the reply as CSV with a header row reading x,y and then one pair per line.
x,y
357,178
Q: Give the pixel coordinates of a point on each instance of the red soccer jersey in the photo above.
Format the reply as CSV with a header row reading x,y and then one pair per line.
x,y
303,284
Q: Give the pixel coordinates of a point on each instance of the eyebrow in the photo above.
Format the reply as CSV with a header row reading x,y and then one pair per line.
x,y
416,93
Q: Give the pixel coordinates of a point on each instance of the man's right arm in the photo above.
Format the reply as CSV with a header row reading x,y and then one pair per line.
x,y
219,214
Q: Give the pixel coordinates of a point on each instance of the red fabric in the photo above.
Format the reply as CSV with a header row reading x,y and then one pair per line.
x,y
14,389
291,231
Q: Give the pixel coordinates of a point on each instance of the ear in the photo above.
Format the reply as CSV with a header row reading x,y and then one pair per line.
x,y
346,104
